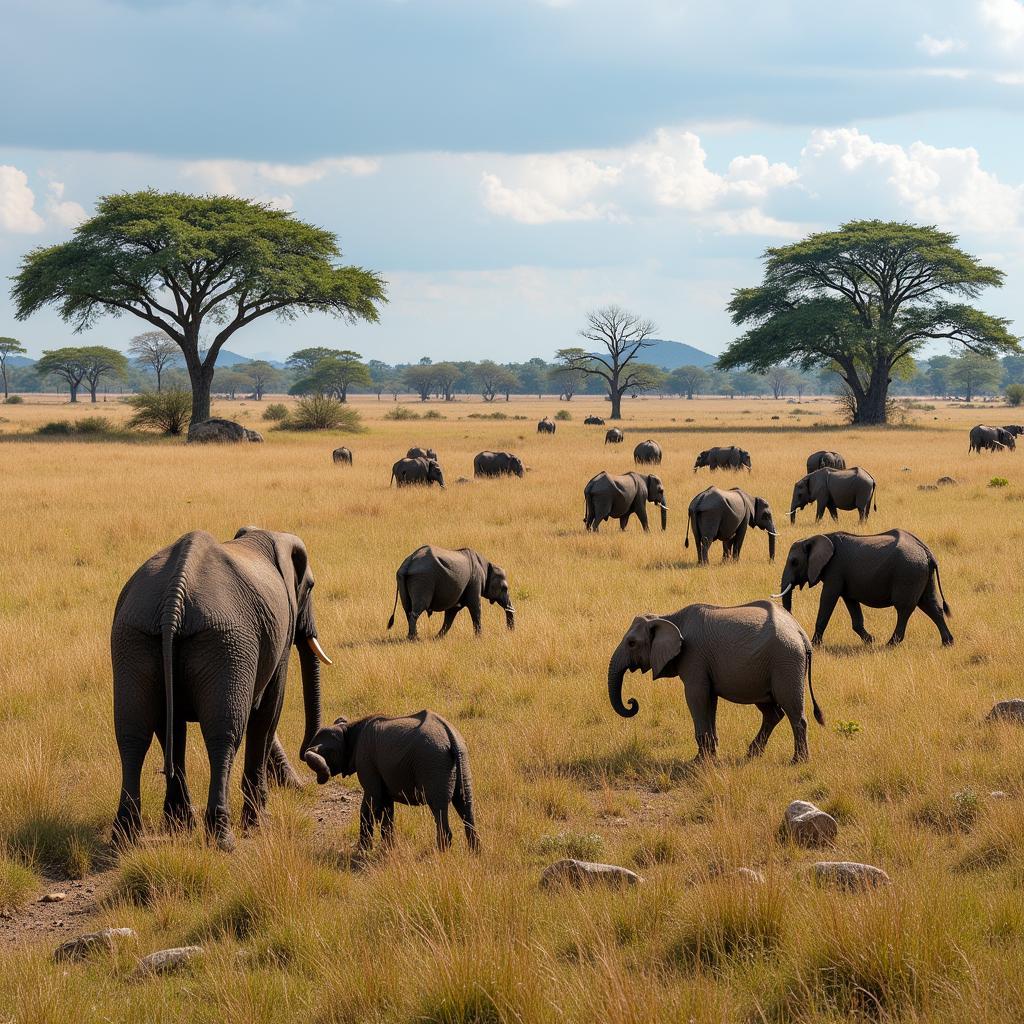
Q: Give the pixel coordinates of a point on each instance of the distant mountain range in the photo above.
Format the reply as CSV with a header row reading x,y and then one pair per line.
x,y
671,354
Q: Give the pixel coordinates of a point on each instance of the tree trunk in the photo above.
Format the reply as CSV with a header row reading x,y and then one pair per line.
x,y
92,391
158,380
616,396
870,408
74,392
4,371
201,384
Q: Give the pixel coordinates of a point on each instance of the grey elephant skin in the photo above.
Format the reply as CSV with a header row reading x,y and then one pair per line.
x,y
416,759
749,654
594,421
725,516
825,460
647,453
434,579
421,453
834,489
991,439
619,497
1013,428
546,426
420,470
723,458
894,569
614,436
202,632
497,464
342,455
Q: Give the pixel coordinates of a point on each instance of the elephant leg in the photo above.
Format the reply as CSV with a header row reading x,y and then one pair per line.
x,y
128,820
771,715
857,620
449,618
829,597
464,810
259,735
387,824
221,747
641,513
178,811
471,600
701,704
623,521
833,511
932,607
417,598
439,809
820,514
366,820
279,769
903,614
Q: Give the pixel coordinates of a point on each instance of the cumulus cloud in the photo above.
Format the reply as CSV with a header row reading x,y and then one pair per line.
x,y
17,202
62,211
1005,18
938,47
252,178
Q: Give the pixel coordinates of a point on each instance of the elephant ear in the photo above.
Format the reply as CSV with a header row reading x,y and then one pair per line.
x,y
666,646
293,564
820,551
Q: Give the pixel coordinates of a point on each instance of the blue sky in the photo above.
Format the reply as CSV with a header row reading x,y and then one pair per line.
x,y
509,164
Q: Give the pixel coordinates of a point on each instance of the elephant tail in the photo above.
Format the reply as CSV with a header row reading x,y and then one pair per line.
x,y
391,621
818,716
938,579
170,623
686,543
874,497
463,780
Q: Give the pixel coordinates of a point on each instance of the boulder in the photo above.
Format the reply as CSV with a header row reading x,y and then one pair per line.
x,y
167,961
808,825
579,873
91,942
1007,711
220,431
946,481
847,874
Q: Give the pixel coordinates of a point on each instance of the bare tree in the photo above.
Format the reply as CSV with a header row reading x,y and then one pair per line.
x,y
155,350
781,380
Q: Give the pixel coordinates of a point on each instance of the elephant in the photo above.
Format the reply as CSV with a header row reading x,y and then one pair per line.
x,y
202,632
725,515
753,653
823,460
619,497
413,760
835,489
991,438
1014,428
614,436
497,464
647,453
421,453
343,455
594,421
435,579
420,470
723,458
545,426
894,569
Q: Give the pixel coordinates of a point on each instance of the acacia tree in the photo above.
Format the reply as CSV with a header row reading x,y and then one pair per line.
x,y
99,362
420,378
66,363
568,380
155,350
971,374
8,347
862,298
447,376
622,335
181,262
263,377
494,380
689,379
332,373
781,379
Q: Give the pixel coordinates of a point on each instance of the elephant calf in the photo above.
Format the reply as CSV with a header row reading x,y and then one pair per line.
x,y
619,497
894,569
421,453
439,580
822,460
417,759
497,464
835,489
420,470
614,436
594,421
725,515
343,455
723,458
753,653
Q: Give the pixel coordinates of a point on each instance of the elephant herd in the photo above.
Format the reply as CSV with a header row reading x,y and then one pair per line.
x,y
992,439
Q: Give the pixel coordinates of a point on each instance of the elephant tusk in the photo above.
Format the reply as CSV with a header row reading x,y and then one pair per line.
x,y
785,592
664,506
771,533
314,646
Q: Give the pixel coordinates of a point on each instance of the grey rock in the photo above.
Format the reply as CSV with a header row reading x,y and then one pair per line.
x,y
946,481
579,873
847,874
85,945
218,431
167,961
999,794
808,825
1007,711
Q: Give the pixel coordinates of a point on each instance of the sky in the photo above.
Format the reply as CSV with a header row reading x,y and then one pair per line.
x,y
508,165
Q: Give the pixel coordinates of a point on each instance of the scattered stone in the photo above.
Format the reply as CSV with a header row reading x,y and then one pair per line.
x,y
463,480
808,825
946,481
579,873
85,945
927,487
167,961
998,794
776,417
1007,711
905,469
221,431
749,875
847,874
53,897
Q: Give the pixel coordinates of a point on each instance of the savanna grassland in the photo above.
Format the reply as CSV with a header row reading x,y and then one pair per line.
x,y
293,930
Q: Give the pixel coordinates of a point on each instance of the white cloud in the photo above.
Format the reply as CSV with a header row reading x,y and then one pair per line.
x,y
62,211
250,178
938,47
1006,18
17,202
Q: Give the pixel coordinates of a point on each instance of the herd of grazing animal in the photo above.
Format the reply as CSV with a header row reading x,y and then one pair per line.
x,y
203,630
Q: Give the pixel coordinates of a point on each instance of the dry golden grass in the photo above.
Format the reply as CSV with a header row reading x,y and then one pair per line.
x,y
293,931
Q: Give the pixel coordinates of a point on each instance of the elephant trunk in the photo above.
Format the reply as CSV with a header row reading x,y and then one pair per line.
x,y
787,592
664,517
616,671
310,665
510,616
771,546
793,506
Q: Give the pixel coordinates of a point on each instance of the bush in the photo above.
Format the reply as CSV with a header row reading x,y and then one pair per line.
x,y
401,412
166,411
94,425
563,414
321,412
579,845
999,481
275,412
488,416
56,428
433,414
18,400
1015,394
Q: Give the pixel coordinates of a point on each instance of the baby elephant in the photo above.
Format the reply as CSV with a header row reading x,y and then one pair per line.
x,y
614,436
439,580
823,460
414,760
343,455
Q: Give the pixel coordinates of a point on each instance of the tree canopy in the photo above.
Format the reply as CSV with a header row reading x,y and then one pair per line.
x,y
329,372
8,347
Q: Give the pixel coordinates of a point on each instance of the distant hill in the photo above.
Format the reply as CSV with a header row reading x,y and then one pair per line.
x,y
229,358
670,354
20,361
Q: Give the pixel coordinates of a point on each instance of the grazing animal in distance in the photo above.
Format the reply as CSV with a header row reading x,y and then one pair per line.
x,y
619,497
497,464
343,455
721,515
594,421
421,453
723,458
421,470
835,489
546,426
647,453
1014,428
991,439
823,460
614,436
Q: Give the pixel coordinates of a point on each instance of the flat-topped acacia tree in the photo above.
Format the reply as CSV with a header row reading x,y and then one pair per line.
x,y
183,262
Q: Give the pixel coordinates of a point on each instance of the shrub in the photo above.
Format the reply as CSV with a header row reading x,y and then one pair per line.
x,y
1015,394
166,411
17,884
999,481
488,416
321,412
401,412
94,425
433,414
275,412
18,400
563,414
56,428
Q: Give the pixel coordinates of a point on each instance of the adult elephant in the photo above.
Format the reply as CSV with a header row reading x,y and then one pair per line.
x,y
753,653
614,436
421,453
421,470
984,438
723,458
834,489
825,460
894,569
1014,428
343,455
546,426
594,421
715,514
647,453
619,497
435,579
202,632
497,464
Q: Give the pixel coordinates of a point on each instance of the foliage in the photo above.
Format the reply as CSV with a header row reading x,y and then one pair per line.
x,y
8,347
276,411
333,373
56,428
167,411
1015,394
688,380
322,412
420,379
563,414
494,379
973,374
999,481
18,400
402,412
155,350
94,425
263,376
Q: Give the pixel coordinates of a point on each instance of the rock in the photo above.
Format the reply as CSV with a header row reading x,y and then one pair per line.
x,y
1007,711
749,875
579,873
463,480
905,469
927,487
808,825
85,945
221,431
998,794
847,874
53,897
946,481
167,961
